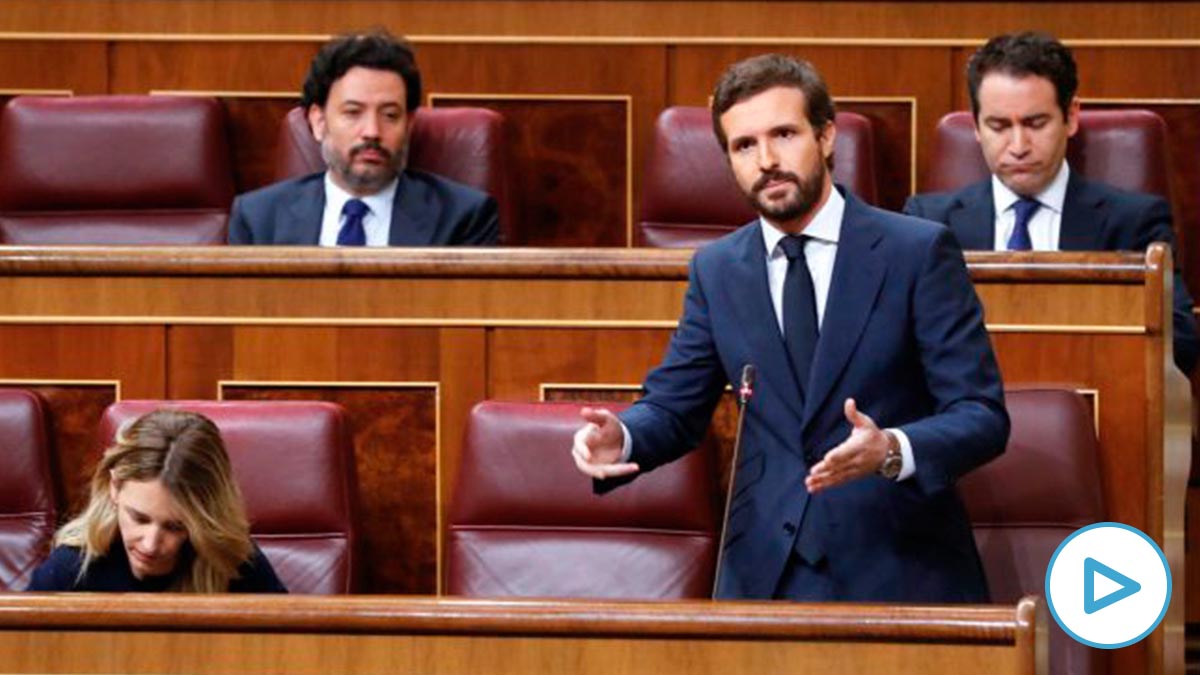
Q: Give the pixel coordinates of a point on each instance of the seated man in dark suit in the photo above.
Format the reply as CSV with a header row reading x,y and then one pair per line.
x,y
1023,98
361,93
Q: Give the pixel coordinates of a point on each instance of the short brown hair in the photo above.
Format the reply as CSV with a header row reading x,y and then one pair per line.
x,y
755,75
1022,55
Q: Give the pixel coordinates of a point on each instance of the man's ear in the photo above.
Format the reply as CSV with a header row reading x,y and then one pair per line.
x,y
828,140
1073,117
316,122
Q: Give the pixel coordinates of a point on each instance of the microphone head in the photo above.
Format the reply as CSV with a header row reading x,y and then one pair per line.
x,y
746,390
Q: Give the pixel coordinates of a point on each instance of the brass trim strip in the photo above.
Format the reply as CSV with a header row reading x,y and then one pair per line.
x,y
1141,101
380,384
1068,329
543,387
627,99
585,40
32,382
36,92
433,322
423,322
226,93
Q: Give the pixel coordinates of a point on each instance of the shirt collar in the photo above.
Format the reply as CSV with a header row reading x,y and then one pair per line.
x,y
1052,197
826,225
336,197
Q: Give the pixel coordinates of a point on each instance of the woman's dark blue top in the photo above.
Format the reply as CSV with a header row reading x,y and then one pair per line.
x,y
111,573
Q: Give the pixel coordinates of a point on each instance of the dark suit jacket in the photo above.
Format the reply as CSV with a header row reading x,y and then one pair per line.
x,y
903,334
428,211
1096,217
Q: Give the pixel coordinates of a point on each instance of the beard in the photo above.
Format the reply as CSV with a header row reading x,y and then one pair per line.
x,y
799,204
371,178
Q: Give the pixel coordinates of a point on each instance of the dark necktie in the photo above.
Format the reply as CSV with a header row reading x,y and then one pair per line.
x,y
1024,208
799,309
352,232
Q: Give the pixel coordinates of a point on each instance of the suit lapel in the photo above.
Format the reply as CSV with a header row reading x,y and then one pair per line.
x,y
858,273
750,295
304,214
413,218
1082,218
973,221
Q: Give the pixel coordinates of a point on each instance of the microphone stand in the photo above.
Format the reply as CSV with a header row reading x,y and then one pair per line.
x,y
745,391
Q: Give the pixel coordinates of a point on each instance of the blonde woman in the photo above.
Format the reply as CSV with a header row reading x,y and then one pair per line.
x,y
165,515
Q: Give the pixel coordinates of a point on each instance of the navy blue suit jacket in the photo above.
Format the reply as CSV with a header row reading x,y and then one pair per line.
x,y
1096,217
428,211
903,335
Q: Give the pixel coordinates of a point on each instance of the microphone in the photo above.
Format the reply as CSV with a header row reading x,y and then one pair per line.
x,y
744,393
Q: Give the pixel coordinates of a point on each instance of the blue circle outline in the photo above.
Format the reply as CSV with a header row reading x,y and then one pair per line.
x,y
1161,557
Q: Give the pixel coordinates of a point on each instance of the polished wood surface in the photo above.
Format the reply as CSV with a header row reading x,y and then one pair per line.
x,y
710,18
427,333
214,634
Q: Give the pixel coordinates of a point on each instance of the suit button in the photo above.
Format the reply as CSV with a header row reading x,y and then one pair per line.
x,y
789,528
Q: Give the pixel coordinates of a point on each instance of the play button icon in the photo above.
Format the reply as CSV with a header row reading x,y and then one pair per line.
x,y
1108,585
1093,567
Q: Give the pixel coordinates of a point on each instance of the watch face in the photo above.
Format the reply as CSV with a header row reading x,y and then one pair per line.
x,y
891,467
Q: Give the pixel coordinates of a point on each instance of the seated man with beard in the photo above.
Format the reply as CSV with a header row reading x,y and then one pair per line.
x,y
361,93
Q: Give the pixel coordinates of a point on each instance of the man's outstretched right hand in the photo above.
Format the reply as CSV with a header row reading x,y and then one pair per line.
x,y
599,445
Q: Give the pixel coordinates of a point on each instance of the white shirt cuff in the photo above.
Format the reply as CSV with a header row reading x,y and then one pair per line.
x,y
626,445
908,465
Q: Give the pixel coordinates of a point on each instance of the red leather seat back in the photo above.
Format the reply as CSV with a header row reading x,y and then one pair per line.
x,y
114,170
690,196
468,145
295,465
27,504
1124,148
1023,504
525,522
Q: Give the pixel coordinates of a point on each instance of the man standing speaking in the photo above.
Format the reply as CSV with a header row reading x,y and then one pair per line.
x,y
877,386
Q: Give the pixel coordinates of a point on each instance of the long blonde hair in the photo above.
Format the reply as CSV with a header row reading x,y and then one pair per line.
x,y
184,451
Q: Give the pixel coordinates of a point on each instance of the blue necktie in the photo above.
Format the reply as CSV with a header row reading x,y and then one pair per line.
x,y
799,309
1024,208
352,232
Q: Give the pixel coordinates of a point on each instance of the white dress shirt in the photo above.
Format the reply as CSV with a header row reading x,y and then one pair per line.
x,y
377,222
1046,223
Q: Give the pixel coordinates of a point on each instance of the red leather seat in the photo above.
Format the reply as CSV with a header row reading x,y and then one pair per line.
x,y
114,170
525,522
1023,504
1124,148
295,465
467,145
27,504
690,196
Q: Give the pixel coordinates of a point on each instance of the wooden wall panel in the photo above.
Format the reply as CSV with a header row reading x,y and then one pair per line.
x,y
570,163
395,443
76,67
638,72
253,131
407,391
894,124
712,18
139,67
73,412
79,371
851,72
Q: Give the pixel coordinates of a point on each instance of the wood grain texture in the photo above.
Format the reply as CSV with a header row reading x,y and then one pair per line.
x,y
1093,321
395,452
726,18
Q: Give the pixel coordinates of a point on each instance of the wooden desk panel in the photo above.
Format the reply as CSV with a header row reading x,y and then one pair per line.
x,y
452,327
387,636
